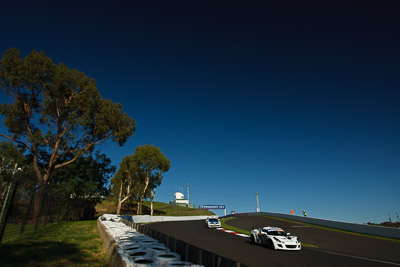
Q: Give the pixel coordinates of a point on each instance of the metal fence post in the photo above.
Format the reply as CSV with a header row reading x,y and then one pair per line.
x,y
27,213
39,215
67,214
54,211
46,216
6,208
3,208
187,252
200,259
175,244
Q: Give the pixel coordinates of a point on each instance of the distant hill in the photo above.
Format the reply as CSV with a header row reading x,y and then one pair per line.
x,y
160,209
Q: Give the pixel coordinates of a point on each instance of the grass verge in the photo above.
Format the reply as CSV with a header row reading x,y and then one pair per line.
x,y
62,244
226,226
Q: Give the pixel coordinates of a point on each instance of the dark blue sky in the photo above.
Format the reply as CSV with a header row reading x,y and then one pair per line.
x,y
299,101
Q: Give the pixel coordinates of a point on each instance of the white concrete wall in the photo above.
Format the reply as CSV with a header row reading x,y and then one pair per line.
x,y
148,218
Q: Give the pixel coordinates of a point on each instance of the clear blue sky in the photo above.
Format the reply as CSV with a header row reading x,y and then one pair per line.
x,y
298,102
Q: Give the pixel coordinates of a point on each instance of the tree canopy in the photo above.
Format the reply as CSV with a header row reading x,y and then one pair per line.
x,y
86,178
128,181
139,174
153,163
56,111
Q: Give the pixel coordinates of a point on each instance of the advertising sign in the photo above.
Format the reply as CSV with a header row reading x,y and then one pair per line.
x,y
214,207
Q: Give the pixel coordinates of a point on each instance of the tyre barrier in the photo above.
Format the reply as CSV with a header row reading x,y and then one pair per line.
x,y
147,243
131,248
157,249
127,247
144,262
179,263
163,258
139,253
188,252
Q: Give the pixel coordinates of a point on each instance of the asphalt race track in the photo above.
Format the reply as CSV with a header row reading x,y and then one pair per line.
x,y
334,248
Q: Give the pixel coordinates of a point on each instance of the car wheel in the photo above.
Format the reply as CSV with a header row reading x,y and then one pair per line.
x,y
263,242
271,244
252,239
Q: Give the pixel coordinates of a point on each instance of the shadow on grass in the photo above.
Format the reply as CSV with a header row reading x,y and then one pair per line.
x,y
42,254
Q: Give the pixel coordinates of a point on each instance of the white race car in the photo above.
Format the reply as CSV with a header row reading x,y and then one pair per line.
x,y
213,222
274,238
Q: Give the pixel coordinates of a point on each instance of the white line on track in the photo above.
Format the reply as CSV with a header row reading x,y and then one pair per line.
x,y
356,257
243,235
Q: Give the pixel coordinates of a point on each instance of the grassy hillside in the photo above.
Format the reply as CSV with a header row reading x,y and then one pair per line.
x,y
75,243
62,244
160,209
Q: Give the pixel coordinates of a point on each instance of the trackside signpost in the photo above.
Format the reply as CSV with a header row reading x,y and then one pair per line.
x,y
215,207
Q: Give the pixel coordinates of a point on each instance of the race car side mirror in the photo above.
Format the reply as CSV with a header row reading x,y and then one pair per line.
x,y
287,233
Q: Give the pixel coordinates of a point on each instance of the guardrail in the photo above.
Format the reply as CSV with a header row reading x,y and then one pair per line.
x,y
187,251
351,227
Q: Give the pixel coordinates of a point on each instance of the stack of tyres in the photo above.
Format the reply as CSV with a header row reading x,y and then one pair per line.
x,y
135,247
163,258
140,253
141,250
144,262
147,241
156,249
180,263
131,248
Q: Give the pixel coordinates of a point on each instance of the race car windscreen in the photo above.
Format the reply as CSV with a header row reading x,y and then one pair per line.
x,y
278,233
213,221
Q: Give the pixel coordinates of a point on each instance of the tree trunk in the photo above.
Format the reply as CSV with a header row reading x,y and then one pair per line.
x,y
119,201
38,201
138,197
25,221
147,181
41,202
128,195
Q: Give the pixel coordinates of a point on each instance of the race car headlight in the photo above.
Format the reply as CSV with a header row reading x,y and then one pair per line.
x,y
277,240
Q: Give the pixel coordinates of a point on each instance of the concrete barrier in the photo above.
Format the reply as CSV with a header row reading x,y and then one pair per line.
x,y
351,227
188,252
127,247
148,218
113,249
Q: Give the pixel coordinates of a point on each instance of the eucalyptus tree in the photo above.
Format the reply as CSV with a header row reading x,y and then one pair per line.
x,y
153,163
139,174
84,182
56,111
128,181
86,178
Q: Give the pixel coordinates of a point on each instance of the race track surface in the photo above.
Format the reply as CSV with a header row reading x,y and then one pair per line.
x,y
334,248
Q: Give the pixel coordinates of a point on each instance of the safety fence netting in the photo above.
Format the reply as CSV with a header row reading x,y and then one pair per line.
x,y
25,209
